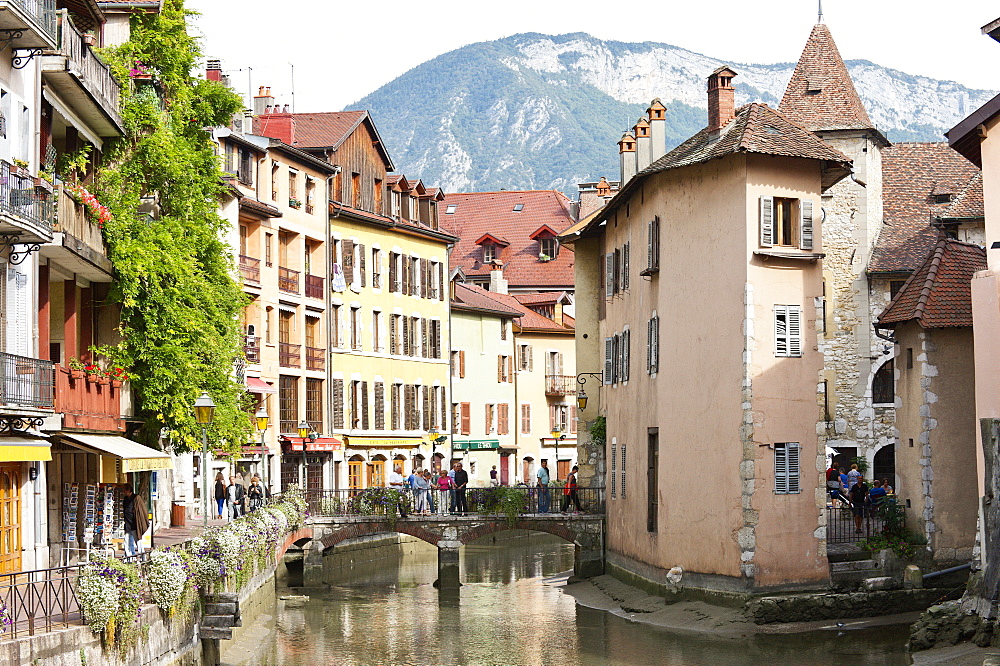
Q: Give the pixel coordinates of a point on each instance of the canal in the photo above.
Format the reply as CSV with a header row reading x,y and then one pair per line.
x,y
512,609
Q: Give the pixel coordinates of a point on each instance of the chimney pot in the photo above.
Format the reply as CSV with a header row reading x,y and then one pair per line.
x,y
721,98
285,109
267,91
260,91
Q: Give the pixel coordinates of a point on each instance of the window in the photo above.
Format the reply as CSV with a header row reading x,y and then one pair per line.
x,y
786,222
616,358
267,250
525,358
450,210
652,483
559,416
883,384
288,404
894,287
526,419
394,284
518,208
787,330
652,247
338,403
377,330
786,468
548,247
653,345
396,397
293,188
356,190
376,269
354,418
503,329
505,369
335,324
433,271
457,363
490,252
616,270
314,404
909,358
456,418
356,328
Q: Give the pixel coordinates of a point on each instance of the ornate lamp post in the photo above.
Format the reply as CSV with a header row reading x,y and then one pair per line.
x,y
307,436
557,435
204,412
261,418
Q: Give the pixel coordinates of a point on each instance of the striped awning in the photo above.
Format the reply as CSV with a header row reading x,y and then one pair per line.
x,y
134,456
25,448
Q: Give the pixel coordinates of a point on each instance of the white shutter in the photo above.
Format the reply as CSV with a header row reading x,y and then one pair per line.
x,y
531,359
614,470
792,457
625,354
781,330
806,225
608,360
655,326
609,274
623,471
794,331
18,316
780,469
649,346
766,221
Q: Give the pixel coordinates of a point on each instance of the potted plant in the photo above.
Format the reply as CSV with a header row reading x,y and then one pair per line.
x,y
116,376
544,257
139,72
294,203
77,368
21,167
89,38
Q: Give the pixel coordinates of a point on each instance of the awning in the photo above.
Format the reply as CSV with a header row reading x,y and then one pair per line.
x,y
384,443
135,457
258,385
319,444
25,448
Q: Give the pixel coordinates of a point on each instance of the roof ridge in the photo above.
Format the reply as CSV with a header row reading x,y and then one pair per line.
x,y
931,279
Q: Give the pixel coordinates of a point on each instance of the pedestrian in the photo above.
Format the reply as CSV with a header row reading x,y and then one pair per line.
x,y
494,481
220,494
397,481
889,490
859,502
429,480
877,493
444,492
833,484
136,520
451,493
570,492
255,493
235,495
843,484
544,498
420,493
852,477
461,481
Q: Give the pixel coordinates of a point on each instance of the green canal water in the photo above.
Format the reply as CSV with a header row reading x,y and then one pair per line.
x,y
512,609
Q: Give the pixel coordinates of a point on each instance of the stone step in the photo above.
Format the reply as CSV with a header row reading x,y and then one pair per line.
x,y
218,633
221,608
218,621
854,565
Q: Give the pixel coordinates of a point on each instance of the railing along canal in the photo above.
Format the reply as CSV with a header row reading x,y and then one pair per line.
x,y
480,501
841,528
39,601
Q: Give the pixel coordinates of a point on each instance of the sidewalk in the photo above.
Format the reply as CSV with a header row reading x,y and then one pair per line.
x,y
171,536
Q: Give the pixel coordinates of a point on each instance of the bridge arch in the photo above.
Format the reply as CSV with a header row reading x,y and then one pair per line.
x,y
485,529
356,530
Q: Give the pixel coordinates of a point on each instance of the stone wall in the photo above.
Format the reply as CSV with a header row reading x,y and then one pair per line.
x,y
810,607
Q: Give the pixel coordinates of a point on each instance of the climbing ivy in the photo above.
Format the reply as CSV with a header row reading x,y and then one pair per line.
x,y
174,278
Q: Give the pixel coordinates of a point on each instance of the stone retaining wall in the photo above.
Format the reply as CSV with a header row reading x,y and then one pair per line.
x,y
810,607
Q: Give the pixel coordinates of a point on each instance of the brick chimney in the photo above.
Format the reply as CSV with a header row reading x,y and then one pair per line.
x,y
657,128
626,150
643,144
557,313
497,282
213,70
721,98
262,101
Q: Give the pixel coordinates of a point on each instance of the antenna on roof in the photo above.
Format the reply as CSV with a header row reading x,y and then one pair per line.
x,y
820,18
293,86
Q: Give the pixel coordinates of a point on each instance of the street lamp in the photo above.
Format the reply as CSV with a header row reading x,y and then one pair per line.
x,y
557,435
436,438
581,379
204,411
307,436
261,418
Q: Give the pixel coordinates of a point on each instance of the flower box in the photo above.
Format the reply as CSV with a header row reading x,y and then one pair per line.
x,y
116,383
77,374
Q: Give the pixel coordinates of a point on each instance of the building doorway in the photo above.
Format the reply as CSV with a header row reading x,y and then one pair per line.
x,y
505,469
376,472
884,466
527,467
10,518
355,473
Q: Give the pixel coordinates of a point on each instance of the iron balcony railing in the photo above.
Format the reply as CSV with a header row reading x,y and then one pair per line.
x,y
21,198
252,349
480,501
560,384
42,11
289,355
249,269
39,601
288,280
314,286
95,75
26,381
314,358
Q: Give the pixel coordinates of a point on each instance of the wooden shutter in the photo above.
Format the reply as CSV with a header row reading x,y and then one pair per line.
x,y
622,470
525,419
361,259
392,271
649,346
405,262
608,360
572,419
618,270
626,361
614,471
406,336
625,265
656,344
766,221
609,275
616,358
424,339
510,369
466,411
426,407
444,407
461,364
503,415
425,275
437,339
499,369
393,333
781,330
379,406
806,224
394,399
794,331
792,454
364,406
347,250
441,286
338,403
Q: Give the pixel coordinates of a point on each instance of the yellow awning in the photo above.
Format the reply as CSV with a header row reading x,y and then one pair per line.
x,y
384,443
134,456
25,449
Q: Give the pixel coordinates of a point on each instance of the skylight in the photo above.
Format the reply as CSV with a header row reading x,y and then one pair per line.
x,y
450,210
518,208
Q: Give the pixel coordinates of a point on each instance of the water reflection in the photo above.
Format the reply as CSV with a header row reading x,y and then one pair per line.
x,y
510,610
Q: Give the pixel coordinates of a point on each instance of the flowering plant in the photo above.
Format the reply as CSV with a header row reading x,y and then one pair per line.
x,y
294,203
380,502
110,592
5,619
167,575
97,210
118,374
139,71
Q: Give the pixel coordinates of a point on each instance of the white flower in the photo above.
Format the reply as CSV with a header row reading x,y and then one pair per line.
x,y
167,576
98,597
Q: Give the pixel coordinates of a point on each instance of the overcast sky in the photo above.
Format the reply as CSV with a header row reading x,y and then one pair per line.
x,y
342,50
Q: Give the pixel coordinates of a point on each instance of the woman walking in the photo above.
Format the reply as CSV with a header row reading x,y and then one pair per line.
x,y
220,495
255,493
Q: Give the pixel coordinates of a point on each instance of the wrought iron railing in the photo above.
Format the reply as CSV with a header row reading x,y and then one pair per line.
x,y
39,601
44,13
252,349
289,355
20,197
479,501
26,381
249,269
94,74
315,358
288,280
314,286
841,526
560,384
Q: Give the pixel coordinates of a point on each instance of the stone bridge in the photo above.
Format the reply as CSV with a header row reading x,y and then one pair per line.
x,y
450,533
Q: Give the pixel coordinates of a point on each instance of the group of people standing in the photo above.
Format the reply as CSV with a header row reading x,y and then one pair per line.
x,y
234,500
442,493
849,489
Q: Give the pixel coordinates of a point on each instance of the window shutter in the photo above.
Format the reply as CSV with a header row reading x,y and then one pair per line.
x,y
427,407
425,339
625,265
405,265
441,287
626,360
609,275
806,224
649,244
781,330
766,221
466,418
499,369
794,331
614,471
525,419
361,258
649,346
406,336
338,403
502,415
780,469
444,408
379,406
618,270
608,360
364,406
461,364
622,471
392,271
394,399
510,369
792,453
656,344
531,358
426,275
392,334
553,418
347,248
572,419
656,242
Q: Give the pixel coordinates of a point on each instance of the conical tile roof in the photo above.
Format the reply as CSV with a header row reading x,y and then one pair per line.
x,y
821,94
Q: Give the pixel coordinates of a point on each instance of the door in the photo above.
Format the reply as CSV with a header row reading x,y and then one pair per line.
x,y
314,473
355,476
505,470
10,518
562,469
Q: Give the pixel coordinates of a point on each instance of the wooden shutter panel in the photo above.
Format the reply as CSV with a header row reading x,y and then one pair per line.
x,y
379,406
425,275
437,340
466,418
794,331
361,259
441,285
424,339
625,265
626,361
405,262
572,419
609,274
780,330
394,399
406,336
806,224
766,221
792,455
510,369
618,270
444,408
364,406
499,369
608,360
338,403
552,417
461,364
392,271
426,407
392,334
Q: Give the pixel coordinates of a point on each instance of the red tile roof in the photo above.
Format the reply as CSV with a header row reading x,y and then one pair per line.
x,y
479,213
477,298
821,95
968,203
310,131
526,317
911,174
546,298
939,293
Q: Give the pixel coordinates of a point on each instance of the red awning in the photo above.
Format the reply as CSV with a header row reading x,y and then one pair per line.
x,y
320,444
258,385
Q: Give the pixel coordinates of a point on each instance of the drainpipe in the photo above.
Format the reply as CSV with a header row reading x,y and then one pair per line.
x,y
328,304
40,536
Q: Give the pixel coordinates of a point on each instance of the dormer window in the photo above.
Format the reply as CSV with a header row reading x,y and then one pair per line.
x,y
942,197
492,247
490,252
548,247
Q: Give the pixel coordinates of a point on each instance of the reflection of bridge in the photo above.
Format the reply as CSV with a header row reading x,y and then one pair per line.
x,y
332,523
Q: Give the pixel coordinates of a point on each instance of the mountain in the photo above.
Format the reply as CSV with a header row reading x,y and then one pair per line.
x,y
536,111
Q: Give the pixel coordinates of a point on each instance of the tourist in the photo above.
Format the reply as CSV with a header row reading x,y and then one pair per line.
x,y
889,490
429,480
543,487
451,494
136,520
397,481
420,493
235,495
843,486
255,493
220,494
461,481
494,481
833,484
853,477
444,492
877,493
570,492
859,502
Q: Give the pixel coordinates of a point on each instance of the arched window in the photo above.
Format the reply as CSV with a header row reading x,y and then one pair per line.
x,y
355,472
883,384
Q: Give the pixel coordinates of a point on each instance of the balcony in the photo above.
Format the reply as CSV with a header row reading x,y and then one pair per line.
x,y
78,244
82,81
88,402
252,349
25,382
26,208
30,24
315,359
560,385
314,286
289,355
288,280
250,269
